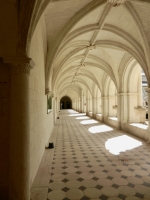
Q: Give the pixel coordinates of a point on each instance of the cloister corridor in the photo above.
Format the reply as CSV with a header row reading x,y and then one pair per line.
x,y
91,160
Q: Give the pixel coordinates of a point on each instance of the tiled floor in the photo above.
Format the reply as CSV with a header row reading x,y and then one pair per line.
x,y
93,161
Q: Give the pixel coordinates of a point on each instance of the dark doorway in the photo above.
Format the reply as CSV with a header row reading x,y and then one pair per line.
x,y
65,103
62,105
68,105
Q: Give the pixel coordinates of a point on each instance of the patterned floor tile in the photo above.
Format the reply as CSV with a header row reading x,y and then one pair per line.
x,y
142,189
74,194
57,185
89,183
126,190
57,195
109,191
105,182
83,169
92,192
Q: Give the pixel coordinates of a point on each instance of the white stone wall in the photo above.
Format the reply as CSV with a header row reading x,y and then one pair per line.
x,y
41,123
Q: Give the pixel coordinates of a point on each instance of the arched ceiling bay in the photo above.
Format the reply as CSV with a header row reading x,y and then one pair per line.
x,y
88,40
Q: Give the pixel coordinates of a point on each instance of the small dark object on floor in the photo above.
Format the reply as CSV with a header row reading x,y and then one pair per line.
x,y
51,145
57,117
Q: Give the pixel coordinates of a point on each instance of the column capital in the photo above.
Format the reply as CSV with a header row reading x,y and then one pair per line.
x,y
115,3
19,64
47,91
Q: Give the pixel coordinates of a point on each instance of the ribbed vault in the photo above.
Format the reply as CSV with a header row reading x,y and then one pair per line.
x,y
89,41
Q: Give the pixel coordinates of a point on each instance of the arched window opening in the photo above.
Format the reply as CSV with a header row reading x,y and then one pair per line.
x,y
133,109
144,93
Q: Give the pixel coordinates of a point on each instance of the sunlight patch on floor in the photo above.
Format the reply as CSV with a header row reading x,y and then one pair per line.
x,y
100,129
91,121
121,144
78,114
83,117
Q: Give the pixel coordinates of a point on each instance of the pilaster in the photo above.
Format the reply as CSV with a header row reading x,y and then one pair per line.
x,y
87,106
19,144
119,110
104,107
94,107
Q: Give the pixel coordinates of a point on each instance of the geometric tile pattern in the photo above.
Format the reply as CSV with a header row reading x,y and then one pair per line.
x,y
84,169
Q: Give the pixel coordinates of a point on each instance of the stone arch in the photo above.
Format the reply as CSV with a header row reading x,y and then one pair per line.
x,y
65,103
131,89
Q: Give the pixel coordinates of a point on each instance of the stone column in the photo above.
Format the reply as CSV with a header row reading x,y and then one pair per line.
x,y
90,104
84,103
119,110
76,105
125,107
104,107
19,144
94,107
87,107
79,105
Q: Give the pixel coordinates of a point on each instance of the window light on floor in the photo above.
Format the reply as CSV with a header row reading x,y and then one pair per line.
x,y
91,121
78,114
100,129
121,144
83,117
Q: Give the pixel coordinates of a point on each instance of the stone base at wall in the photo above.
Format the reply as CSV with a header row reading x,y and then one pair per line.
x,y
112,122
137,131
99,117
90,114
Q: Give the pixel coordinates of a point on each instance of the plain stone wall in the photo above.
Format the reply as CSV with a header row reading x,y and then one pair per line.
x,y
4,130
41,123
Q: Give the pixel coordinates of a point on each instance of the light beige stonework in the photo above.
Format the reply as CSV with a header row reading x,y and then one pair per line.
x,y
94,52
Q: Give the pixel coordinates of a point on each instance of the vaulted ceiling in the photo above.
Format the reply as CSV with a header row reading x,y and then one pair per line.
x,y
89,40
